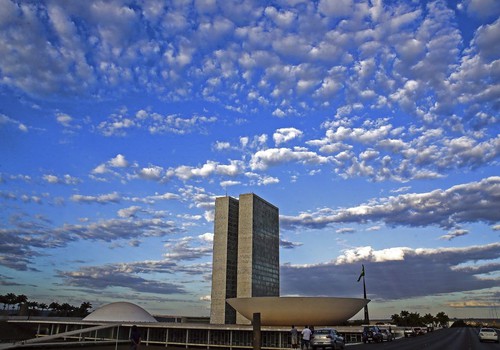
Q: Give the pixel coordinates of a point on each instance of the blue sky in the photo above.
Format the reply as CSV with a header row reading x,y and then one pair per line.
x,y
372,125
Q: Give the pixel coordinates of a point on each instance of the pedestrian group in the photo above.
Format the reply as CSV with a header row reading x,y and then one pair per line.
x,y
305,340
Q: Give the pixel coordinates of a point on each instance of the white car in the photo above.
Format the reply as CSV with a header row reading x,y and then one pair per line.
x,y
488,334
386,334
327,338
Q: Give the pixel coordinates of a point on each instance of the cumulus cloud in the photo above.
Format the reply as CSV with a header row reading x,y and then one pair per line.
x,y
345,230
129,212
401,93
285,134
482,8
102,278
64,119
151,173
421,40
261,160
444,208
454,234
183,250
27,240
286,244
113,197
120,123
110,167
4,120
210,168
118,162
437,272
65,179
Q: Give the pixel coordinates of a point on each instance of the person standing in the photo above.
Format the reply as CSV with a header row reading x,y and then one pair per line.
x,y
135,338
306,338
295,336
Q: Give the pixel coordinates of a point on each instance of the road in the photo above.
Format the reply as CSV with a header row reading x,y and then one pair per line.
x,y
442,339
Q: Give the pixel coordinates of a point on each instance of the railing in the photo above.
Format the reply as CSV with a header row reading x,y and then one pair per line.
x,y
172,334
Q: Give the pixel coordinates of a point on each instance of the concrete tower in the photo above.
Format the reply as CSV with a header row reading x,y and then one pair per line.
x,y
246,254
225,258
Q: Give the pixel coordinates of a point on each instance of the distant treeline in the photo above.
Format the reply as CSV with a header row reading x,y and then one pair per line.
x,y
10,301
413,319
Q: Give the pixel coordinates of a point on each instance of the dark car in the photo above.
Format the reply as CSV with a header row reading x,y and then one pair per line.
x,y
372,334
327,338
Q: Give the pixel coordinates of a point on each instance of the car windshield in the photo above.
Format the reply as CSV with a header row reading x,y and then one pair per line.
x,y
322,331
487,330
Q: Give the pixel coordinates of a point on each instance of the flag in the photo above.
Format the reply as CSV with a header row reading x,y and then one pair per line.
x,y
362,273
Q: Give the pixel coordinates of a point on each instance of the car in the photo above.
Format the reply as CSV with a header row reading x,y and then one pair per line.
x,y
327,338
372,334
418,331
409,332
386,334
488,334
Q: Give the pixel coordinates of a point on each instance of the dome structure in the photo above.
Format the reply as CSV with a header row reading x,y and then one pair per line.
x,y
121,311
285,311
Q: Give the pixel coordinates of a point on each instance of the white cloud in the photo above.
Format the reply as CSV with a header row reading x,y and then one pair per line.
x,y
119,161
65,179
336,8
4,120
483,8
444,208
454,234
279,113
206,298
229,183
64,119
345,230
151,173
128,212
263,159
207,237
286,134
113,197
350,256
185,172
220,146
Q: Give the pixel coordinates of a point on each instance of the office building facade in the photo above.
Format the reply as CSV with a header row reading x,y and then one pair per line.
x,y
245,254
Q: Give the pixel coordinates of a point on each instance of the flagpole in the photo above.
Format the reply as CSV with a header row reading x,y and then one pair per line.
x,y
367,318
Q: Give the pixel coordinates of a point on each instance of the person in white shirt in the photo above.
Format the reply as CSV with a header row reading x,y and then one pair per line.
x,y
306,338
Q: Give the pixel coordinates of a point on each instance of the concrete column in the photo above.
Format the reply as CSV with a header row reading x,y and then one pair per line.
x,y
257,337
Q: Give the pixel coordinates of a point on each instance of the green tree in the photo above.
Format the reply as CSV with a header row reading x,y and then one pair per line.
x,y
21,299
66,309
414,319
396,319
428,319
55,307
83,310
43,306
11,299
4,300
442,319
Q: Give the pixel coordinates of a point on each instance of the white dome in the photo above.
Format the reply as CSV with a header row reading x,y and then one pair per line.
x,y
120,312
316,311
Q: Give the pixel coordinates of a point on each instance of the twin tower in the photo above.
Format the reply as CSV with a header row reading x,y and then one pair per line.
x,y
245,254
